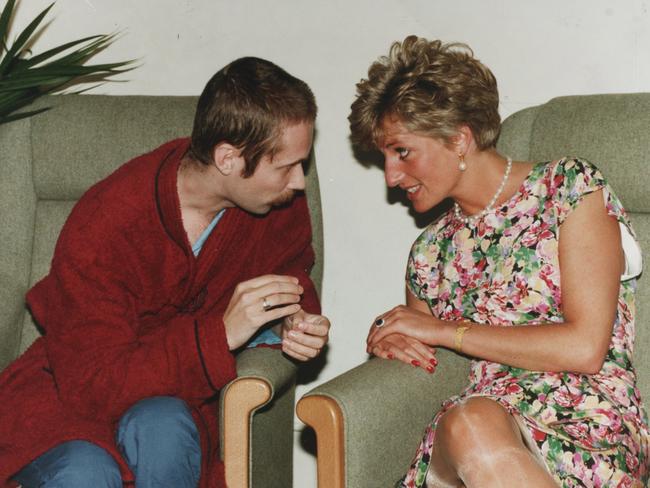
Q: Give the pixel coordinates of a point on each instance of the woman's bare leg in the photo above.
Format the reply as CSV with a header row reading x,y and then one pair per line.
x,y
478,444
441,474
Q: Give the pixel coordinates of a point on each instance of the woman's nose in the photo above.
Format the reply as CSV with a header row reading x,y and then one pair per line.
x,y
392,173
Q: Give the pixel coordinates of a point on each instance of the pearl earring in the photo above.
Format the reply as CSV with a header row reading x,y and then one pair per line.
x,y
462,165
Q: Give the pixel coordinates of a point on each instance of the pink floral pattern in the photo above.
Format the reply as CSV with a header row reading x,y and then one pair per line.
x,y
592,430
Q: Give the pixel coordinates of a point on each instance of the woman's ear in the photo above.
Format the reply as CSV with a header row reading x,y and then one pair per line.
x,y
226,157
463,141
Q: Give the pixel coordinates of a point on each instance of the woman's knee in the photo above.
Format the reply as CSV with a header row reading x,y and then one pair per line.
x,y
481,441
474,424
73,464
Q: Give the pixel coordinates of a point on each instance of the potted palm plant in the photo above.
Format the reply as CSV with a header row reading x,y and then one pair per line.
x,y
24,76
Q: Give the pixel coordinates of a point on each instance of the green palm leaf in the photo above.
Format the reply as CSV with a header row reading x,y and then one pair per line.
x,y
4,23
24,36
34,60
24,78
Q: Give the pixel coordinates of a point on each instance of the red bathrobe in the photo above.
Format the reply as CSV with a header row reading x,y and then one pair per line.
x,y
128,313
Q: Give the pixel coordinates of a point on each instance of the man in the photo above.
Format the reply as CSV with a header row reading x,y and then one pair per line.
x,y
162,270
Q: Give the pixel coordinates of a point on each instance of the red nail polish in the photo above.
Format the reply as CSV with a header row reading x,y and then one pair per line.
x,y
433,361
390,355
415,362
430,369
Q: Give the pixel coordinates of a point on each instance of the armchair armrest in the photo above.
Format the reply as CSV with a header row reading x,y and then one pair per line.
x,y
265,378
369,420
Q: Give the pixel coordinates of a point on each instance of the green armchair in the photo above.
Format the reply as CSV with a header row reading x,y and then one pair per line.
x,y
47,162
369,420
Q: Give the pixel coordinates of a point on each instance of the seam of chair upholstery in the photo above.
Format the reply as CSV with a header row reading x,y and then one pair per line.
x,y
29,271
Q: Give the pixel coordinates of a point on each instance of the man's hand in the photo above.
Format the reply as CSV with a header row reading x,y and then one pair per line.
x,y
304,335
259,301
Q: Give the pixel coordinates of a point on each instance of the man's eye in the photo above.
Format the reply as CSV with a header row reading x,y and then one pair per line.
x,y
402,152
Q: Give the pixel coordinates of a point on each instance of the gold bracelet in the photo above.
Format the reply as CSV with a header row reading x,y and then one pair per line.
x,y
458,341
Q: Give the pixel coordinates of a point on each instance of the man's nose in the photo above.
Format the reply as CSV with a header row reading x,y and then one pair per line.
x,y
297,178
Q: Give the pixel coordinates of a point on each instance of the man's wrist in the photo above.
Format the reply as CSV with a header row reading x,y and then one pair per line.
x,y
277,328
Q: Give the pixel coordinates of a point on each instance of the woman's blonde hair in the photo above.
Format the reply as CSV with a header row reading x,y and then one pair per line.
x,y
432,88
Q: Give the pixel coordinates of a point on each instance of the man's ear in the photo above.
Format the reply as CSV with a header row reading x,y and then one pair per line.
x,y
227,158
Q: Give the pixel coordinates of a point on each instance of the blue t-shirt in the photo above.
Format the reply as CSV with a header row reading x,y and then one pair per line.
x,y
265,336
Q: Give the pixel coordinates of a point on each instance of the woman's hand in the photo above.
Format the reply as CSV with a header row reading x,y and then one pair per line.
x,y
405,333
408,321
407,350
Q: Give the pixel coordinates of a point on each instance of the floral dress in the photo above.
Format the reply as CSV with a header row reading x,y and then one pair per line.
x,y
590,430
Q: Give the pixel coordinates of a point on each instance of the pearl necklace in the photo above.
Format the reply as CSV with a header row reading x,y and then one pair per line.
x,y
470,219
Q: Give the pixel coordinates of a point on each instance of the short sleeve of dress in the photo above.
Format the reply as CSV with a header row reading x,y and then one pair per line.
x,y
421,271
575,178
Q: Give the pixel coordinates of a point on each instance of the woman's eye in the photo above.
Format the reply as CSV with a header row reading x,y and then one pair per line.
x,y
402,152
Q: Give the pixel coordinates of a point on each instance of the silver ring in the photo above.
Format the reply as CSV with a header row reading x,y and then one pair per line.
x,y
379,323
265,305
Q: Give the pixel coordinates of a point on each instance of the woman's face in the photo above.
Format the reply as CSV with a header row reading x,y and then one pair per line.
x,y
425,168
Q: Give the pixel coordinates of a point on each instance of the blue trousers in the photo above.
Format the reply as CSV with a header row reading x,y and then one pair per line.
x,y
159,441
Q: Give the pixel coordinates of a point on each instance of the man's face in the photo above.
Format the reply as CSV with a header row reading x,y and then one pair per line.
x,y
276,178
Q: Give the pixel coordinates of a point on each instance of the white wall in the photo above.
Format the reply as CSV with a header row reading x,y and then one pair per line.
x,y
537,50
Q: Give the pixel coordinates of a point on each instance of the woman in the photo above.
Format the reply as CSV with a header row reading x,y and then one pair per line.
x,y
551,399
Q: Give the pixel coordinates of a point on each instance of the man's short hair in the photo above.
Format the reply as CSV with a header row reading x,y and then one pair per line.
x,y
247,104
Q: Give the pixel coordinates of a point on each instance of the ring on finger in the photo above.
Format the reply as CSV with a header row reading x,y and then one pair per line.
x,y
265,304
379,323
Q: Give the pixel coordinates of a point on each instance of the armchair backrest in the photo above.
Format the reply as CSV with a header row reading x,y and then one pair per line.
x,y
613,132
49,160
